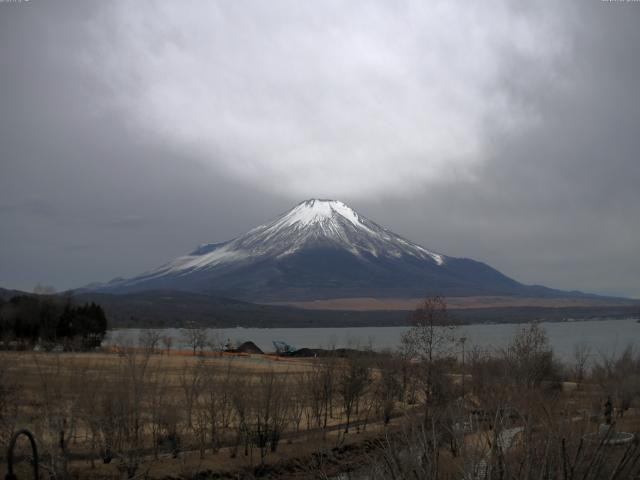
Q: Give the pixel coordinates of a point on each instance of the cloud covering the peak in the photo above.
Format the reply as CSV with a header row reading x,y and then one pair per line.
x,y
303,97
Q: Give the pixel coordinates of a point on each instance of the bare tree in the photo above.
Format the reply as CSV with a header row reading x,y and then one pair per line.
x,y
158,404
215,342
88,406
269,412
149,340
9,393
55,407
581,354
196,338
556,452
530,357
354,378
430,340
320,383
167,342
168,421
121,408
216,403
313,385
388,386
191,383
489,375
69,402
298,401
241,400
213,405
618,376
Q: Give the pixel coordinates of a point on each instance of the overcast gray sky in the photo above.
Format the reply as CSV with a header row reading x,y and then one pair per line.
x,y
508,132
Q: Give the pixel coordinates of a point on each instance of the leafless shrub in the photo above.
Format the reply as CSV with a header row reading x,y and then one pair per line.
x,y
191,383
530,357
196,338
58,410
269,412
321,385
9,392
121,409
353,379
215,406
581,354
430,342
149,340
554,451
214,342
619,376
167,342
387,389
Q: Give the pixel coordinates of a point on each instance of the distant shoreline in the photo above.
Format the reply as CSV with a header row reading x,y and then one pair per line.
x,y
604,335
407,324
455,303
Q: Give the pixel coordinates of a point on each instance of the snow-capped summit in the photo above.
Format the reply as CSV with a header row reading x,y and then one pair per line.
x,y
318,211
320,249
328,214
312,223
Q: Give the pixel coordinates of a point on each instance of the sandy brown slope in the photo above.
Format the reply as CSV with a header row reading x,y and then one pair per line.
x,y
368,303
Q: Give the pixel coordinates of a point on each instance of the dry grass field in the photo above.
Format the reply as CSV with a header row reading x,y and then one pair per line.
x,y
171,414
142,413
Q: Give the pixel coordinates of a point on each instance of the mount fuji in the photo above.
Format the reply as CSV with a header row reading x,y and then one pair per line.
x,y
323,249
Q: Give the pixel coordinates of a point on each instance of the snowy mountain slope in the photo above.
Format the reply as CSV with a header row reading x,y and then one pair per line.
x,y
323,249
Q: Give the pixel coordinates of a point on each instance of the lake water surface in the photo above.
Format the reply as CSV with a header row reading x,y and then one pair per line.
x,y
603,336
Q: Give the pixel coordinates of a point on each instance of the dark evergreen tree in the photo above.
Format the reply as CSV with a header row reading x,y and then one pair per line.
x,y
30,319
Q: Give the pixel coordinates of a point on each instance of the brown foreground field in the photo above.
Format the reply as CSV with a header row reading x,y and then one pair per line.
x,y
99,414
418,413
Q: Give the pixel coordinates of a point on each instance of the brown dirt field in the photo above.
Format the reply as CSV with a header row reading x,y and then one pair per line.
x,y
404,304
292,461
26,364
295,449
27,369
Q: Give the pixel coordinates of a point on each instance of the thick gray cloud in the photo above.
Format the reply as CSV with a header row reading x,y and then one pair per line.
x,y
130,132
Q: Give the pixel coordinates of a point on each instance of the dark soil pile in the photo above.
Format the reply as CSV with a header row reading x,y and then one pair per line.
x,y
249,347
337,353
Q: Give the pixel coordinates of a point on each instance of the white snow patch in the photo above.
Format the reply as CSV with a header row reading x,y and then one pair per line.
x,y
439,259
319,211
192,262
